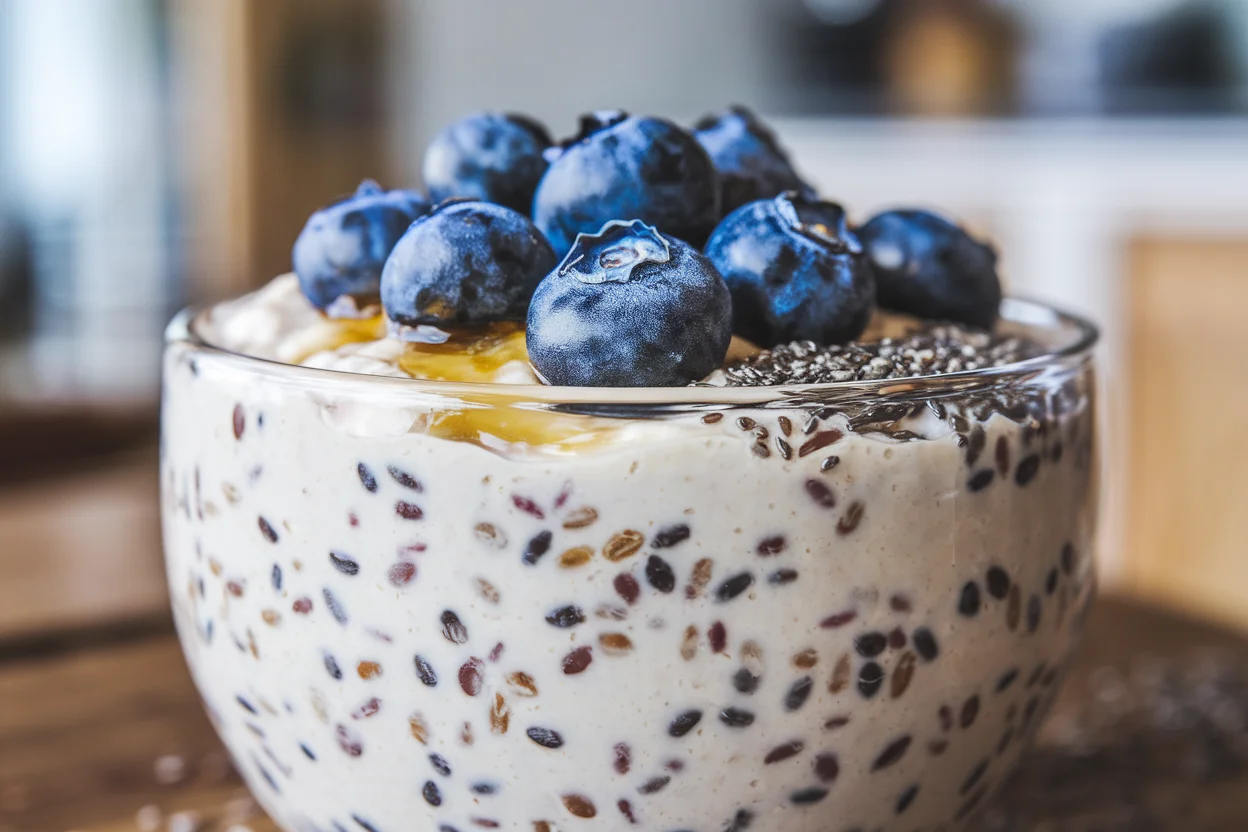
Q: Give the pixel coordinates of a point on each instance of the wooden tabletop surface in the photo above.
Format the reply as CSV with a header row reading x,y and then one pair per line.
x,y
105,734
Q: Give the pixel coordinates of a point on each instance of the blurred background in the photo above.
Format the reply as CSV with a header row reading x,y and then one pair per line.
x,y
155,153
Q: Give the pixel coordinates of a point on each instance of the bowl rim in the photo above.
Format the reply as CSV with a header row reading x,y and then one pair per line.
x,y
1041,317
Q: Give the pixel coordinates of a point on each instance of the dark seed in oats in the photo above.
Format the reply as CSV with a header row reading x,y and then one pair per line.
x,y
902,674
626,809
771,546
925,644
829,463
782,576
806,797
331,665
870,644
892,753
969,600
1068,558
684,722
404,479
527,506
907,797
565,617
276,577
470,678
425,672
730,588
745,681
712,418
853,516
401,573
840,619
784,752
576,661
870,677
335,607
408,511
1027,470
453,630
239,419
717,637
736,717
998,582
972,779
840,674
432,796
660,574
440,765
1050,582
786,425
670,536
623,758
798,693
1007,679
344,564
627,587
1033,613
537,546
545,737
266,530
746,423
654,784
970,710
827,767
821,494
980,480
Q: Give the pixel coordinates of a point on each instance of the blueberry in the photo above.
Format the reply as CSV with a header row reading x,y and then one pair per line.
x,y
795,270
492,157
623,168
751,163
465,263
927,266
342,248
629,307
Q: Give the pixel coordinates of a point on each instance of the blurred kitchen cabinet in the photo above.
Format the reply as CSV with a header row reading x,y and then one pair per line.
x,y
1187,472
295,111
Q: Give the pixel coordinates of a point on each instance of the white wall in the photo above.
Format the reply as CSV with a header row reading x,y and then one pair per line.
x,y
555,59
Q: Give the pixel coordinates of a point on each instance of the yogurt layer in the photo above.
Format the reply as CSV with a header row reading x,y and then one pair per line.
x,y
801,617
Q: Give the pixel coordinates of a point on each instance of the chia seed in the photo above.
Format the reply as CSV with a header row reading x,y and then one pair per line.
x,y
937,349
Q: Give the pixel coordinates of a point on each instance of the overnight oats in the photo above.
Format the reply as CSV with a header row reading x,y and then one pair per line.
x,y
554,519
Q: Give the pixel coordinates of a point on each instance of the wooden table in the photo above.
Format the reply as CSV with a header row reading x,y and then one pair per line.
x,y
105,733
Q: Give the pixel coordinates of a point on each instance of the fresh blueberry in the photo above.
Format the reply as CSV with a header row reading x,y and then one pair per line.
x,y
465,263
795,270
751,163
929,267
493,157
622,168
629,307
342,248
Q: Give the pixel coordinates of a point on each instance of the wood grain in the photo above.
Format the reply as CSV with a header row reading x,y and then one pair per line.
x,y
1187,474
80,734
82,549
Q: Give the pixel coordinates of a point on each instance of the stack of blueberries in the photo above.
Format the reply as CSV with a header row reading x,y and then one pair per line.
x,y
634,250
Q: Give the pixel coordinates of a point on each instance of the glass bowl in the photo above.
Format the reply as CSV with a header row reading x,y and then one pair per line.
x,y
429,605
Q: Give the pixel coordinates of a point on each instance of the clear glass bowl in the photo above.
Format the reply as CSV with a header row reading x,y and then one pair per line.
x,y
428,605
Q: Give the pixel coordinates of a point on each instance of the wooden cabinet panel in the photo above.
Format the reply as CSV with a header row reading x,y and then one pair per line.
x,y
1187,471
